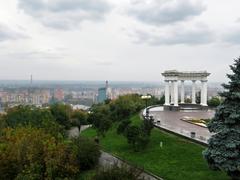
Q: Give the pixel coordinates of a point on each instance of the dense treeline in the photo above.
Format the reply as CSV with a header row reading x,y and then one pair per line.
x,y
34,143
119,111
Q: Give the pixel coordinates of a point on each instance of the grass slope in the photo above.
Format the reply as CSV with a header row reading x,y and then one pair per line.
x,y
179,159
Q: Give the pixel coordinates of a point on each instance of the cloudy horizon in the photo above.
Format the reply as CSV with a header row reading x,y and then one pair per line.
x,y
127,40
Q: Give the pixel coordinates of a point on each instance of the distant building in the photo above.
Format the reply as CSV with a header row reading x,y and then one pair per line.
x,y
59,94
104,93
79,107
16,97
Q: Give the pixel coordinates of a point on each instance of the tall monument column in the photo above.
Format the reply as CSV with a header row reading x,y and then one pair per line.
x,y
204,93
175,85
167,93
172,93
182,92
193,92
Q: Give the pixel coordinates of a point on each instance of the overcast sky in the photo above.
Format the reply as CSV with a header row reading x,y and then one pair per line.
x,y
117,39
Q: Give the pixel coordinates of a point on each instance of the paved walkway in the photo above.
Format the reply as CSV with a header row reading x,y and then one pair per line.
x,y
171,120
107,160
74,132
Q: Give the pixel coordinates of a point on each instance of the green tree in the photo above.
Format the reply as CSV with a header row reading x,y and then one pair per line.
x,y
33,116
125,106
147,126
31,153
79,118
87,153
100,117
132,134
102,124
62,114
223,152
2,123
214,102
136,137
162,100
123,125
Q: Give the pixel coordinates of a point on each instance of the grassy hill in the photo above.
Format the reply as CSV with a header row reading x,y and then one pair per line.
x,y
178,159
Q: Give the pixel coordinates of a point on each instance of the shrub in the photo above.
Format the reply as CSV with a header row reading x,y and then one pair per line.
x,y
79,118
30,153
137,137
2,124
34,117
147,126
122,126
214,102
62,114
102,123
87,153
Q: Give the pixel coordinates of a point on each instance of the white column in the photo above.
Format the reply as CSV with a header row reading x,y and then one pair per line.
x,y
182,92
193,92
172,93
204,93
175,85
167,93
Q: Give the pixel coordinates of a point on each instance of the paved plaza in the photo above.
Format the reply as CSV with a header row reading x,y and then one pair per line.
x,y
171,120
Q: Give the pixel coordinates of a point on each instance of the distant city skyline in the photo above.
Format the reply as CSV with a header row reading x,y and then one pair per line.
x,y
127,40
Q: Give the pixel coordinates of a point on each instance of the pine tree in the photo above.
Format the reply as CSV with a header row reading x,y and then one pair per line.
x,y
223,152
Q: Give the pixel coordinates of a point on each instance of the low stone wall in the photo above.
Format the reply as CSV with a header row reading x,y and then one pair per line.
x,y
185,106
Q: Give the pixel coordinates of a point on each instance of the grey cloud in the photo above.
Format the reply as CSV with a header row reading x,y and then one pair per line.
x,y
158,12
104,63
35,55
65,14
187,37
9,34
232,37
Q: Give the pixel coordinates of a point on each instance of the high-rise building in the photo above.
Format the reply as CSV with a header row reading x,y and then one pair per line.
x,y
104,93
59,94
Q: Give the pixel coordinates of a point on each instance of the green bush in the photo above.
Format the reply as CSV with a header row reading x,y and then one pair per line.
x,y
118,173
79,118
30,153
122,126
34,117
62,114
214,102
136,137
2,124
87,153
125,106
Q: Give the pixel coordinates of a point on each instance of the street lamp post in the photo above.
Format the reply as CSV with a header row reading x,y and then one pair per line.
x,y
146,98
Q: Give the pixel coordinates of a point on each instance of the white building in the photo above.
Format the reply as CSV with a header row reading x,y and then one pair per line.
x,y
172,78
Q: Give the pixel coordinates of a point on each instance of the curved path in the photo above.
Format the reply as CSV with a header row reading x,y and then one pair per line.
x,y
107,160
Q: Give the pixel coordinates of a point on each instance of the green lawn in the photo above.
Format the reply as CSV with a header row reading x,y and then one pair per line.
x,y
179,159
